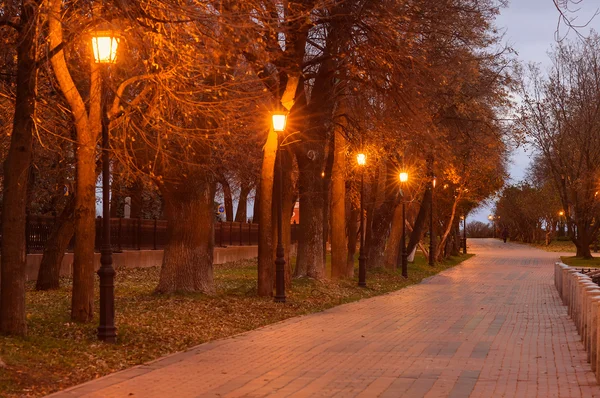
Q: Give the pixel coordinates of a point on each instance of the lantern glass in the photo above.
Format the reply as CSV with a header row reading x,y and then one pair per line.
x,y
279,121
434,182
105,47
361,159
403,176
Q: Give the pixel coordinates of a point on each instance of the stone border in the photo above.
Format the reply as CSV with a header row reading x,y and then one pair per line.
x,y
582,298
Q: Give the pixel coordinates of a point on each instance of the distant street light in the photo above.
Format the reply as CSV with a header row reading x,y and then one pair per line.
x,y
104,47
403,179
493,221
561,231
279,123
361,159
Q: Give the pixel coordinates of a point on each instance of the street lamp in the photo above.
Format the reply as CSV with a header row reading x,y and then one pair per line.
x,y
279,121
361,159
493,221
431,235
561,214
403,179
104,47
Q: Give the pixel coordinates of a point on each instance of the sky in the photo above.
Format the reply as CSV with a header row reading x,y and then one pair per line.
x,y
530,28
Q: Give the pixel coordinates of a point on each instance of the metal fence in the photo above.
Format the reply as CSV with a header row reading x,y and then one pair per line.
x,y
138,234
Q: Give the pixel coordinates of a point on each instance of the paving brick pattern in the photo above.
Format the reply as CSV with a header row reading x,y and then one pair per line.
x,y
491,327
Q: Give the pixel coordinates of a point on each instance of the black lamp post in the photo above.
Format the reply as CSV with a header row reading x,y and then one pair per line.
x,y
431,234
493,222
361,159
104,46
279,121
561,231
403,179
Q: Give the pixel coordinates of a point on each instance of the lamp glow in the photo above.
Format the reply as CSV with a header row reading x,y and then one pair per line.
x,y
434,181
361,159
104,46
279,121
561,213
403,176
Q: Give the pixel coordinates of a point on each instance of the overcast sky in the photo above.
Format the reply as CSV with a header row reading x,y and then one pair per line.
x,y
530,28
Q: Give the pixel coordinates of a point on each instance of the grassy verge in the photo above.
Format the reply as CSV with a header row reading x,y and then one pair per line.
x,y
580,262
556,246
58,353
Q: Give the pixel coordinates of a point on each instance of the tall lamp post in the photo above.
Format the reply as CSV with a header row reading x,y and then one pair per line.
x,y
361,159
104,46
493,222
279,121
403,179
431,234
561,231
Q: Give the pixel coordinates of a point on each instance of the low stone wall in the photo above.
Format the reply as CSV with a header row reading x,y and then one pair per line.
x,y
582,298
141,259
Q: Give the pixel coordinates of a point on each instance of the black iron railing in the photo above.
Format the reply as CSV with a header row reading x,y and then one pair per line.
x,y
138,234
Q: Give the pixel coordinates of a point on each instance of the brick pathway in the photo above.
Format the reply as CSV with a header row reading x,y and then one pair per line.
x,y
492,326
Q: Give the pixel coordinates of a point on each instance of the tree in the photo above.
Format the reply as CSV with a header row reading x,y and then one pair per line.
x,y
16,168
560,118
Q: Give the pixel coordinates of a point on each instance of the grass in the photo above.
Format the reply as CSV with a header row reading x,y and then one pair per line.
x,y
556,246
58,353
579,262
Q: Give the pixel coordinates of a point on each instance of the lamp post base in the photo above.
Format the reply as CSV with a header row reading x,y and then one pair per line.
x,y
107,331
362,271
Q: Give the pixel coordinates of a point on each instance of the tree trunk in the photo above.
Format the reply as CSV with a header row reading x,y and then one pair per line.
x,y
583,243
444,237
54,250
310,245
117,201
289,196
387,196
137,201
326,181
420,222
242,208
352,240
16,174
392,247
87,128
188,257
266,260
339,255
256,205
228,198
380,230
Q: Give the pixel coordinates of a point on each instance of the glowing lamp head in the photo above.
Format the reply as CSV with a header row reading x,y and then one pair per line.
x,y
361,159
490,217
561,213
104,46
279,121
434,181
403,176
